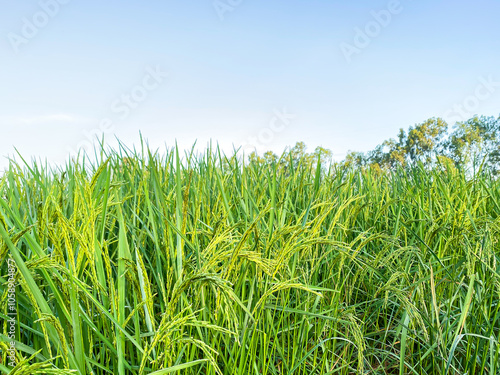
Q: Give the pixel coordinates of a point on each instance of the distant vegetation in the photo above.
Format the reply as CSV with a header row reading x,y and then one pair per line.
x,y
473,143
386,263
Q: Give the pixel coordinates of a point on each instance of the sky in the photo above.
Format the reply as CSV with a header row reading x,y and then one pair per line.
x,y
250,74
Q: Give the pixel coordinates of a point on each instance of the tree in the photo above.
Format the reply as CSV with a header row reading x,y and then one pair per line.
x,y
420,144
424,140
472,142
323,154
475,140
295,156
354,159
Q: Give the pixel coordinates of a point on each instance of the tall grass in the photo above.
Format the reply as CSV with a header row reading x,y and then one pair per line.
x,y
148,264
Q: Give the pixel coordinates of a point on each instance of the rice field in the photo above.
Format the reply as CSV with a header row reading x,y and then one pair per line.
x,y
141,263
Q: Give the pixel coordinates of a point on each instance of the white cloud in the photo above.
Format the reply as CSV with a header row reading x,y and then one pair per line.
x,y
42,119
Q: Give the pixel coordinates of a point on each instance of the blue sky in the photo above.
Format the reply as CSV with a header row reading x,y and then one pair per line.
x,y
253,73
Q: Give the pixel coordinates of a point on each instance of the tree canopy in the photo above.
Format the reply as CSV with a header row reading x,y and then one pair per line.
x,y
471,143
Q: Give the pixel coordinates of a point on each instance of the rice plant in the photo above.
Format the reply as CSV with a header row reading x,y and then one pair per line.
x,y
148,263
